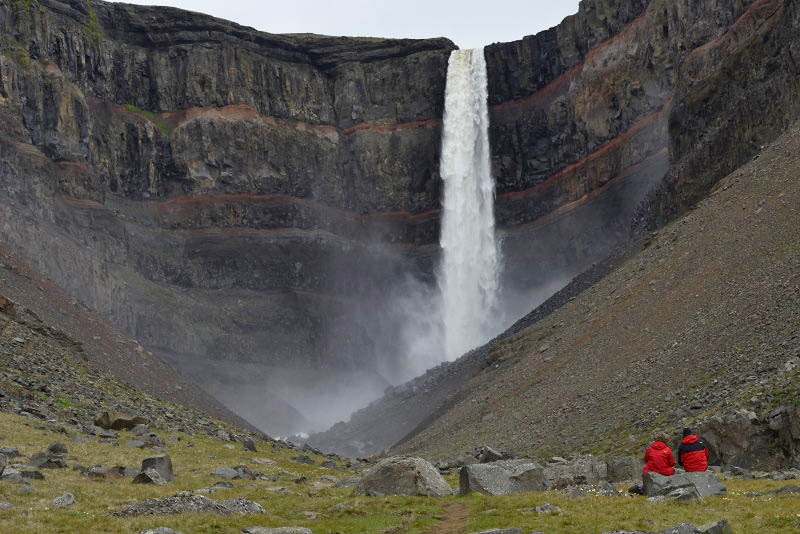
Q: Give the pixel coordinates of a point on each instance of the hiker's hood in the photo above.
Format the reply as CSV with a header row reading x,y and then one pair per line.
x,y
691,438
659,445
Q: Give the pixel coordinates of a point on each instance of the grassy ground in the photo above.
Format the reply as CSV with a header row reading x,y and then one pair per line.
x,y
288,503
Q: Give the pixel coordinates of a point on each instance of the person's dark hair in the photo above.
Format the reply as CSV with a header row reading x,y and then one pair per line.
x,y
687,432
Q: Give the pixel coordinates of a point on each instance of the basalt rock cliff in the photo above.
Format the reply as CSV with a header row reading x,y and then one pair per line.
x,y
625,114
244,204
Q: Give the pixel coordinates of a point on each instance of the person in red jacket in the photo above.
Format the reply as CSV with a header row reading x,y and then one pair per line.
x,y
692,453
659,459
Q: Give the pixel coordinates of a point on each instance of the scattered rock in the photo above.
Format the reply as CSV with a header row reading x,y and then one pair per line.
x,y
488,454
717,527
582,471
150,476
32,475
65,500
11,475
502,478
57,448
262,461
141,430
160,530
500,531
43,460
683,485
624,468
136,444
10,452
350,482
118,421
249,445
161,463
403,475
189,504
5,506
303,459
328,464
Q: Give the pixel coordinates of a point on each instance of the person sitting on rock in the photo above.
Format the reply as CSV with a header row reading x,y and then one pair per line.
x,y
658,458
692,453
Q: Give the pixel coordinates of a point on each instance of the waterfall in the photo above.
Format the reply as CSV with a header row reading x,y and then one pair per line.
x,y
468,273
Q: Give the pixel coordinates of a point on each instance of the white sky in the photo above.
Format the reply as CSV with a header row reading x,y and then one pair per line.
x,y
469,23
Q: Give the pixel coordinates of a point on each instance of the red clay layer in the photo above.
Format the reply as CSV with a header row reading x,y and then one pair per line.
x,y
603,150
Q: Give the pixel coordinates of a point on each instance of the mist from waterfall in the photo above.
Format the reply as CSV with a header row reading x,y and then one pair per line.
x,y
468,273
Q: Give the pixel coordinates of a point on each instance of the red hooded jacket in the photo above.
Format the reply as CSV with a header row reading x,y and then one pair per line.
x,y
693,454
659,459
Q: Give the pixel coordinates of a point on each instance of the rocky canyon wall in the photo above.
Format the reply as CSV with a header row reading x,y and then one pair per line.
x,y
247,205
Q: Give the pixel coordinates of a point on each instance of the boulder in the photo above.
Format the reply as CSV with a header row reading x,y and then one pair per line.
x,y
624,468
262,461
44,460
280,530
717,527
65,500
303,459
161,463
249,445
500,531
10,452
502,478
11,475
57,449
3,463
350,482
189,504
582,471
141,430
403,475
5,506
119,421
149,476
488,455
682,485
160,530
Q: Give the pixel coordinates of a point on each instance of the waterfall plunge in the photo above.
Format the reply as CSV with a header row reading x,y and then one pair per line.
x,y
468,276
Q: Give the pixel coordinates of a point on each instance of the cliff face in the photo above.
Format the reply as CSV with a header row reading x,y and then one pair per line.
x,y
222,194
625,114
245,204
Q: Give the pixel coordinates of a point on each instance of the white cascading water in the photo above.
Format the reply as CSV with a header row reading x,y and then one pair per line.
x,y
468,276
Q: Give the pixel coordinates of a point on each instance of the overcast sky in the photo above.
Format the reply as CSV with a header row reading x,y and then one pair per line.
x,y
469,23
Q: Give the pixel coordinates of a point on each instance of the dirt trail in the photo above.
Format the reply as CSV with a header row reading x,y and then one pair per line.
x,y
455,519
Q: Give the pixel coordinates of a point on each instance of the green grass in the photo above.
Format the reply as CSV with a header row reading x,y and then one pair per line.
x,y
152,117
291,504
596,514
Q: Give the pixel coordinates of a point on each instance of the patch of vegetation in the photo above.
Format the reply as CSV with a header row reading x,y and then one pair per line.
x,y
769,513
194,458
152,117
94,27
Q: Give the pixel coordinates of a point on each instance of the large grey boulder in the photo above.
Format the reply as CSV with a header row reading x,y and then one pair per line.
x,y
403,475
502,478
624,468
683,485
161,463
586,470
150,476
